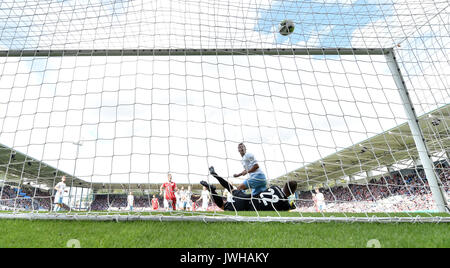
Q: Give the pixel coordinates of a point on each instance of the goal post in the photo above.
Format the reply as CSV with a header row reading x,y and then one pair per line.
x,y
436,186
420,142
389,53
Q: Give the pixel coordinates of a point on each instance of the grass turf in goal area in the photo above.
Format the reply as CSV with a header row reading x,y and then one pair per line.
x,y
243,214
25,233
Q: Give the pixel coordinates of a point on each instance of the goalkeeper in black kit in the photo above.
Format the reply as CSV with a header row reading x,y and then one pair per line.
x,y
272,199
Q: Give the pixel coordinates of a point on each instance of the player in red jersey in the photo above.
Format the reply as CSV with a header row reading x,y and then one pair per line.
x,y
155,203
170,188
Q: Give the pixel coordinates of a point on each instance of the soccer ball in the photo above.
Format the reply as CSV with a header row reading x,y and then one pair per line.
x,y
286,27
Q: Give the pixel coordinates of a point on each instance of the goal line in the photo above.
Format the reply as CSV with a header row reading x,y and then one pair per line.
x,y
219,218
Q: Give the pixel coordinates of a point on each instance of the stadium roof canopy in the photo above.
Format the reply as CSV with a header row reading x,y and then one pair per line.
x,y
393,147
22,169
387,149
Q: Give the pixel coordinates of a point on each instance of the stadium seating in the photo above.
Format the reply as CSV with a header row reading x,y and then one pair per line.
x,y
395,193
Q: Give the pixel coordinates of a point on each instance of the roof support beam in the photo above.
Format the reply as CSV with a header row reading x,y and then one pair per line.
x,y
413,121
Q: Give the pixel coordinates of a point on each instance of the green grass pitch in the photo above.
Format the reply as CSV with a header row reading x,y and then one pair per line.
x,y
25,233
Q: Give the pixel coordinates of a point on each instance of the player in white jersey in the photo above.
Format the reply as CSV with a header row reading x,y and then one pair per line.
x,y
167,204
205,198
187,199
319,199
178,198
182,205
60,190
130,200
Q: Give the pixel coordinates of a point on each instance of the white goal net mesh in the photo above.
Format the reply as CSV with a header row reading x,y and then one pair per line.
x,y
114,95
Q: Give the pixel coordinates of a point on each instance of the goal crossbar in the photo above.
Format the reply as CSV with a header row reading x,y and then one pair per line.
x,y
195,52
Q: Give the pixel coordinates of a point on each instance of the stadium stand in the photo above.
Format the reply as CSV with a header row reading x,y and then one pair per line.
x,y
26,198
394,193
402,191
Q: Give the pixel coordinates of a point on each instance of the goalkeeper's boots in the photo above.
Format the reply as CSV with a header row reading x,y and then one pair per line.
x,y
211,188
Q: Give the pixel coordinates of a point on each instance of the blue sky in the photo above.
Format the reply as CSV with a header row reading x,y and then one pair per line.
x,y
25,23
334,22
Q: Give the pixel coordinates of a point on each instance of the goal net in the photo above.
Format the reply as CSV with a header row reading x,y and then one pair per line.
x,y
118,96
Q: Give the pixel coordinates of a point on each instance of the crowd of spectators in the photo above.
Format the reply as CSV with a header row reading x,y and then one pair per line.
x,y
395,193
105,202
34,198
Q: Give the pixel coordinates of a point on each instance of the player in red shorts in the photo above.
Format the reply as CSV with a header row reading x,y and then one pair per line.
x,y
170,188
155,203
